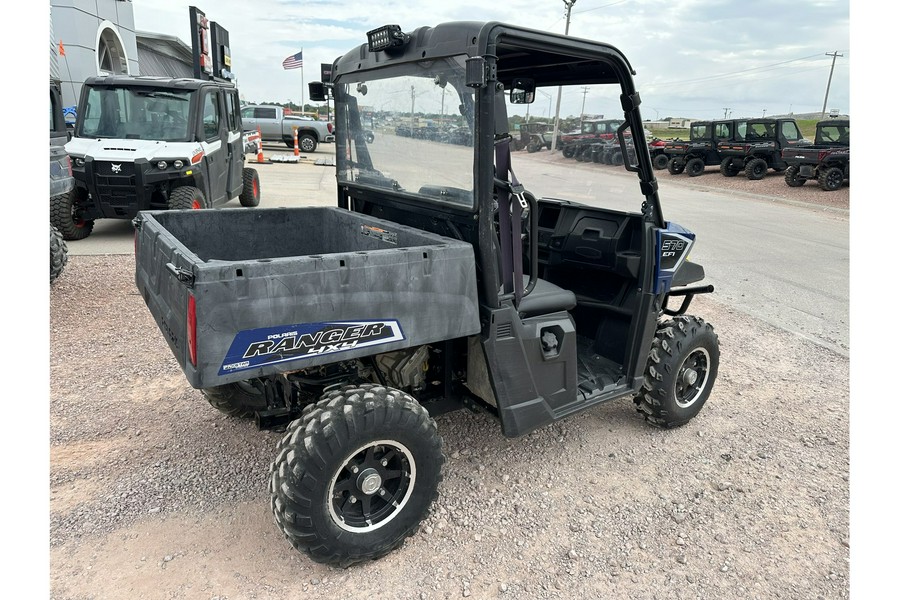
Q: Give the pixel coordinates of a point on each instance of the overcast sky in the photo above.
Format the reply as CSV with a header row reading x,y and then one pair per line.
x,y
694,58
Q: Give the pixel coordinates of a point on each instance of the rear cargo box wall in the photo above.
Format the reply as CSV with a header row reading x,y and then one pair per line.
x,y
235,235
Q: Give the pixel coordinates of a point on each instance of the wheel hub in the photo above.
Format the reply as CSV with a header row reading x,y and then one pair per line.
x,y
369,482
692,377
372,486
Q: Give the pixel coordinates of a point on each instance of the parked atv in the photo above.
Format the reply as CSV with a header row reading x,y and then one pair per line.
x,y
692,156
827,161
758,147
149,143
437,282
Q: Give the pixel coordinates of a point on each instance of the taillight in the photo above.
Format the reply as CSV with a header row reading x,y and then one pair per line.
x,y
330,128
822,155
192,329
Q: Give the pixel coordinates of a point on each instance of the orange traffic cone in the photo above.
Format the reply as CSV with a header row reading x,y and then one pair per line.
x,y
259,153
296,144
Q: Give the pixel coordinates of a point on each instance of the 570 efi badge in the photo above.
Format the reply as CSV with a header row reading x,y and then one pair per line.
x,y
270,345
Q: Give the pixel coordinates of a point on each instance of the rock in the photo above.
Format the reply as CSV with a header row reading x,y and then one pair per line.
x,y
504,588
572,554
681,559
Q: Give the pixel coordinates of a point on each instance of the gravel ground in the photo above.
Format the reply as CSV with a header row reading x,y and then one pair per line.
x,y
154,494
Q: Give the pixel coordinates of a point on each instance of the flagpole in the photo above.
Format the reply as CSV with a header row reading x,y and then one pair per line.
x,y
302,104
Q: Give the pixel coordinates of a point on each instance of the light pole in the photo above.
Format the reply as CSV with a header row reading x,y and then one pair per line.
x,y
569,4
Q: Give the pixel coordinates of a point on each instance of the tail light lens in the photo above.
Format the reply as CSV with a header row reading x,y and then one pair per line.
x,y
192,329
69,164
330,128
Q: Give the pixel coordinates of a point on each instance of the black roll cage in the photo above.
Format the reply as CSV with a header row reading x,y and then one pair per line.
x,y
506,52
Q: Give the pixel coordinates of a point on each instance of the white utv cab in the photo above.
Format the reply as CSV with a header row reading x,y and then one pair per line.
x,y
147,143
437,282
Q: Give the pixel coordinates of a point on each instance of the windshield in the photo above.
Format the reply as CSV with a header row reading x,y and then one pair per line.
x,y
410,130
833,133
137,113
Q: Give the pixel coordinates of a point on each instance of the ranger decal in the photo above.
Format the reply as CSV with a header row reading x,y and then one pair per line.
x,y
271,345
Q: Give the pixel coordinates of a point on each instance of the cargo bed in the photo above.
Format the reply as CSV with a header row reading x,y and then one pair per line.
x,y
248,293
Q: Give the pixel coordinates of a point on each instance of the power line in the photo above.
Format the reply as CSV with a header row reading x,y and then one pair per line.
x,y
738,73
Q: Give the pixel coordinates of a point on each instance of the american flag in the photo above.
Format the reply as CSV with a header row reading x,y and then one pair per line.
x,y
293,62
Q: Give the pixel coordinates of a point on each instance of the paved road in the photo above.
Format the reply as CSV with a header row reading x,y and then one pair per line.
x,y
783,263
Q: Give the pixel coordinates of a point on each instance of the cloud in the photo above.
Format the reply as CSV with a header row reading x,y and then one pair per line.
x,y
693,58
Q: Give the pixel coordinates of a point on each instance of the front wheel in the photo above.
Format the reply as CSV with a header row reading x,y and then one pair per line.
x,y
355,475
250,194
681,371
187,197
831,179
568,152
792,176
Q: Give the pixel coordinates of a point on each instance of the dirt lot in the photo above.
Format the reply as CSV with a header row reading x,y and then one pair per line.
x,y
154,494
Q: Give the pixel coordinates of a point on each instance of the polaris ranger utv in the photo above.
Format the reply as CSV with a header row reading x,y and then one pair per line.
x,y
438,282
759,147
827,160
147,143
694,155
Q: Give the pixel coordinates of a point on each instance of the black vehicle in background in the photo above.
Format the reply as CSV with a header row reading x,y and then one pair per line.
x,y
702,149
760,148
827,161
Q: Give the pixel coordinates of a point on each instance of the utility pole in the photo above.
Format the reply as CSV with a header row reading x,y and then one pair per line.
x,y
569,4
834,56
584,91
726,113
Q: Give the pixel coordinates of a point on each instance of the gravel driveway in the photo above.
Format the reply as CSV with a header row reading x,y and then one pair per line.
x,y
154,494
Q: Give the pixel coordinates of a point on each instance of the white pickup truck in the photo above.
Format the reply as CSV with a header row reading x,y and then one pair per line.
x,y
277,126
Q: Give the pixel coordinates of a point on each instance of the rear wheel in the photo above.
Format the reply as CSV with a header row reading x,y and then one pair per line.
x,y
660,161
792,176
728,168
681,371
187,197
675,166
65,215
354,476
308,143
617,159
695,167
241,399
568,152
831,179
756,169
250,195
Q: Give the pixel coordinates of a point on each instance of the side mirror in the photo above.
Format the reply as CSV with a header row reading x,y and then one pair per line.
x,y
522,91
317,91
